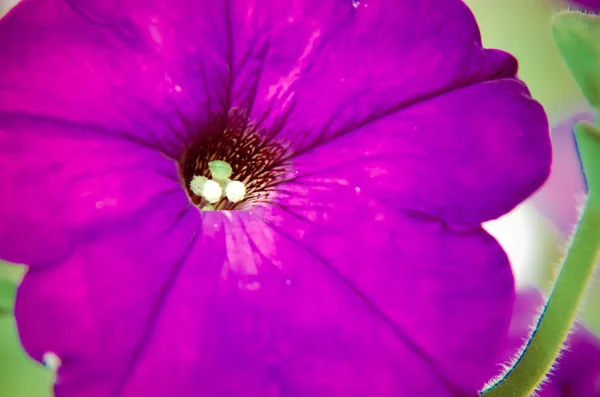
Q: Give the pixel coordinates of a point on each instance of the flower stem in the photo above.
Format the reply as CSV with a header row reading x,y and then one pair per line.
x,y
558,315
553,326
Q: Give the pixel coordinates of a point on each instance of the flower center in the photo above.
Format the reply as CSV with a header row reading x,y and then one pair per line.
x,y
233,165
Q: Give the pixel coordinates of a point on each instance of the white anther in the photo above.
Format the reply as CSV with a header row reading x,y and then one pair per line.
x,y
197,184
212,191
235,191
51,360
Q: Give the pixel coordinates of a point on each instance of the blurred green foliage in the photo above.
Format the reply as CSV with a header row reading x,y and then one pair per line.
x,y
20,376
8,289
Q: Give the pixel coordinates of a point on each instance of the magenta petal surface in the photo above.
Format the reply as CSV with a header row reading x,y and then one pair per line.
x,y
593,5
408,159
161,68
231,305
128,69
385,73
67,183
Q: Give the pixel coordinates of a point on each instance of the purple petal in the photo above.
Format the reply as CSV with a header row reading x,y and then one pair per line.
x,y
251,304
463,167
154,73
128,69
65,183
402,78
592,5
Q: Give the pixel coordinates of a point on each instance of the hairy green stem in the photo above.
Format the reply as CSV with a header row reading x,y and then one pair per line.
x,y
552,329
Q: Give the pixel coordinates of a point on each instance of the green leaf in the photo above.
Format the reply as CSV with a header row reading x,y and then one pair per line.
x,y
577,37
8,290
588,143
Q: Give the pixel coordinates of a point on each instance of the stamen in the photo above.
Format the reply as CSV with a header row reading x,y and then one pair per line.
x,y
204,187
197,184
246,163
212,191
235,191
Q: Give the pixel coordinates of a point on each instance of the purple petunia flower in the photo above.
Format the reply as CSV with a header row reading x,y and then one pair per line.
x,y
577,372
369,140
592,5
